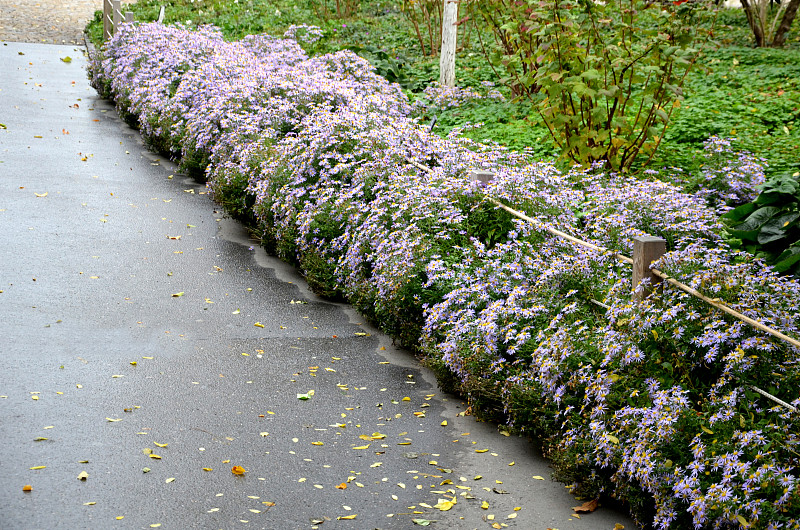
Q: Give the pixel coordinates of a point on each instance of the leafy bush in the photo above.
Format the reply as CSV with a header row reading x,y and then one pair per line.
x,y
769,227
604,77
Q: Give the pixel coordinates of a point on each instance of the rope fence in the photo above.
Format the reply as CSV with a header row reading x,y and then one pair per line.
x,y
646,251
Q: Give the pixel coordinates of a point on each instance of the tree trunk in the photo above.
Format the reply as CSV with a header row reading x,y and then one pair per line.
x,y
447,56
753,22
786,24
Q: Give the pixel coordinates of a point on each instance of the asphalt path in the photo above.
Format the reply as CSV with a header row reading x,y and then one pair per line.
x,y
137,321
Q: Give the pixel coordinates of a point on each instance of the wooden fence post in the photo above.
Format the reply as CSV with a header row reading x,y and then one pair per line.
x,y
481,176
447,54
646,250
107,30
117,15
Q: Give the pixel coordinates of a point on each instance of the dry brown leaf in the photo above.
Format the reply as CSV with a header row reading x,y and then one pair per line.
x,y
587,507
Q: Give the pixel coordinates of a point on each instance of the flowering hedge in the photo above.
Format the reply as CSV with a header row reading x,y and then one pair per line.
x,y
651,402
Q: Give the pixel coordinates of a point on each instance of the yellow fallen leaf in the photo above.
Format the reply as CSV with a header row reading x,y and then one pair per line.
x,y
207,469
238,470
120,517
40,194
512,463
444,504
160,445
342,486
258,325
481,450
317,443
496,525
347,516
35,398
484,505
444,423
92,503
155,457
537,477
170,479
362,446
177,295
113,420
514,516
38,467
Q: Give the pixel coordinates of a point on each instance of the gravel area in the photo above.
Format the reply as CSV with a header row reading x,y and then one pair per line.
x,y
46,21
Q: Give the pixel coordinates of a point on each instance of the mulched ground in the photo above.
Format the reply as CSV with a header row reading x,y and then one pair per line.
x,y
46,21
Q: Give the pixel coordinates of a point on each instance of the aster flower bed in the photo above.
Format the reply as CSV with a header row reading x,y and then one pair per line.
x,y
652,402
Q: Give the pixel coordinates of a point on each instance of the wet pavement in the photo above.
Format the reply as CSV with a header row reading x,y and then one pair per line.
x,y
136,318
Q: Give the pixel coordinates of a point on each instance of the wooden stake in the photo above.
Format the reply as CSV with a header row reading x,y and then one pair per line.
x,y
646,250
115,7
481,176
107,29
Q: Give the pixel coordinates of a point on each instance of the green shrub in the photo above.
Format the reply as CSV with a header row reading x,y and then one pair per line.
x,y
769,227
